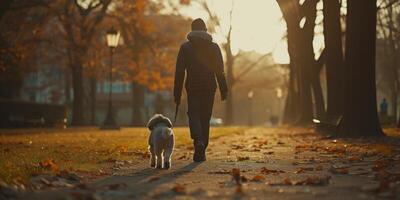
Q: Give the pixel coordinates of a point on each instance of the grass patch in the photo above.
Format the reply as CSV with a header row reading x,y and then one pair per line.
x,y
26,152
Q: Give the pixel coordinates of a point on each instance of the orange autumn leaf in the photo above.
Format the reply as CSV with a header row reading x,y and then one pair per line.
x,y
179,189
258,178
49,164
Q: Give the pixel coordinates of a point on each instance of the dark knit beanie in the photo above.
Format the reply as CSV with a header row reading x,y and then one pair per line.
x,y
198,25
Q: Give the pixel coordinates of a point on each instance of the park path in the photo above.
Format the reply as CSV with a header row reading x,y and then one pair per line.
x,y
260,163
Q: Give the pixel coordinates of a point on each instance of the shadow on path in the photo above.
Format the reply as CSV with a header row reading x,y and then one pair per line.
x,y
146,180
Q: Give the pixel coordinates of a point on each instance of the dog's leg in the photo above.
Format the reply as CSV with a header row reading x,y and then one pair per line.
x,y
152,156
158,151
168,152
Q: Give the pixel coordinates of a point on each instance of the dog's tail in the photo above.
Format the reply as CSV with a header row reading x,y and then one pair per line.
x,y
167,132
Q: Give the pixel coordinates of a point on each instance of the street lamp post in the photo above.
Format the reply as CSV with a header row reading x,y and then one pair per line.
x,y
250,95
112,43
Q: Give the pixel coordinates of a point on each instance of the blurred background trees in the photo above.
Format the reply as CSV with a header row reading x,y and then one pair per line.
x,y
65,40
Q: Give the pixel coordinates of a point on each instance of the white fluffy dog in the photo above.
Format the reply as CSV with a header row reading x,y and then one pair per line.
x,y
161,141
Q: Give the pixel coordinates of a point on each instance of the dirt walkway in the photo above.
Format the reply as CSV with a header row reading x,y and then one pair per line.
x,y
273,164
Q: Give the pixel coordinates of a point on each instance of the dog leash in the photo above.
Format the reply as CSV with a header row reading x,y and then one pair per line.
x,y
176,113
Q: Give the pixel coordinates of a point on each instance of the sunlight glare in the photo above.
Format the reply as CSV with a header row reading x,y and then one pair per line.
x,y
302,22
257,26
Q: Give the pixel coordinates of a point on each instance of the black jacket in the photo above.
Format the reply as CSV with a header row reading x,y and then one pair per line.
x,y
202,61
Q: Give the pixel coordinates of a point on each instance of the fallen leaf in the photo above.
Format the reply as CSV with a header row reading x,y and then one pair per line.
x,y
336,170
179,189
122,148
258,178
299,171
287,181
243,158
223,171
155,178
49,164
183,157
354,159
265,170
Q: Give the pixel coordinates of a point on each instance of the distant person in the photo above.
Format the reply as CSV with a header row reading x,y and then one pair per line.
x,y
201,59
384,107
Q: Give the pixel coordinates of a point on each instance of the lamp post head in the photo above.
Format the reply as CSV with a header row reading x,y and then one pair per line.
x,y
112,38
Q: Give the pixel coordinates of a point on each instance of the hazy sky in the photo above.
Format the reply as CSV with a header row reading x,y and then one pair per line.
x,y
257,25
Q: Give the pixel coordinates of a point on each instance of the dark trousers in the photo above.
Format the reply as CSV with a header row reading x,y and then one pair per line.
x,y
200,106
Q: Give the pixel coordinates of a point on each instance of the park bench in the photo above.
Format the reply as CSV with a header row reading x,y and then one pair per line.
x,y
18,114
328,126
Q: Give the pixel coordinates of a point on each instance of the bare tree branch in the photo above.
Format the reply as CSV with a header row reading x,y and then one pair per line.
x,y
250,66
390,4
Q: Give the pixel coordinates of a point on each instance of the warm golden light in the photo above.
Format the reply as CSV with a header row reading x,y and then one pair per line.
x,y
112,38
256,26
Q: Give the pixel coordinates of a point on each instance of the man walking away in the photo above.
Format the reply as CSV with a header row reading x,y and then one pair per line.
x,y
202,61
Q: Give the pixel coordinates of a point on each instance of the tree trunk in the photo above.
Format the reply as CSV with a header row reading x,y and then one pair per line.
x,y
305,106
360,117
334,58
229,101
67,88
137,104
4,6
394,104
230,61
290,110
290,11
93,84
318,97
301,52
77,87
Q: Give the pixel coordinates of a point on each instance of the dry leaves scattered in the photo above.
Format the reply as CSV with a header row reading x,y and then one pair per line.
x,y
258,178
242,158
49,164
179,189
154,178
310,181
267,171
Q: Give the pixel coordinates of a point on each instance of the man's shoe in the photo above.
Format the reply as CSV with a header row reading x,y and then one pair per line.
x,y
202,156
199,152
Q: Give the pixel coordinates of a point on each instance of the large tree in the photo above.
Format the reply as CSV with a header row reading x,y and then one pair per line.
x,y
16,57
304,72
79,20
360,116
333,58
